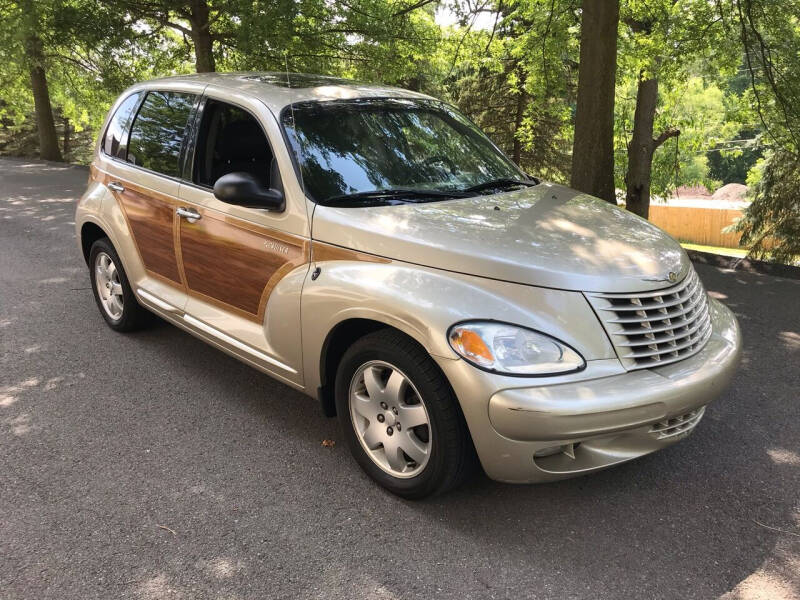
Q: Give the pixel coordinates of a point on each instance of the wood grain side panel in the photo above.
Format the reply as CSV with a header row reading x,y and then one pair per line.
x,y
151,221
150,216
233,262
324,252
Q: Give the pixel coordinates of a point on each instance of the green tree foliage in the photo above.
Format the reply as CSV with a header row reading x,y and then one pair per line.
x,y
771,225
721,72
771,39
518,79
771,43
700,110
90,54
367,40
732,164
24,43
675,58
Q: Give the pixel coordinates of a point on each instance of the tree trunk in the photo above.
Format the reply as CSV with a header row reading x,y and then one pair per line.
x,y
66,146
593,146
642,147
518,117
201,37
48,140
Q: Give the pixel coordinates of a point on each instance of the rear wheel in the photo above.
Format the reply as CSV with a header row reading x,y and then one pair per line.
x,y
400,417
112,291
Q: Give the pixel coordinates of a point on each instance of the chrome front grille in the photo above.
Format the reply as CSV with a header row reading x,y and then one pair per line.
x,y
675,426
655,328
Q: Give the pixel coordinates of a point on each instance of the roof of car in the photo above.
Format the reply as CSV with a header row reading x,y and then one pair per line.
x,y
277,90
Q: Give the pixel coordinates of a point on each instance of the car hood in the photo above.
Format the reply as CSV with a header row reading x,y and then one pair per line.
x,y
547,235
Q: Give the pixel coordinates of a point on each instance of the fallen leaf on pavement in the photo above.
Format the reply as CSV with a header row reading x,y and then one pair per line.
x,y
165,528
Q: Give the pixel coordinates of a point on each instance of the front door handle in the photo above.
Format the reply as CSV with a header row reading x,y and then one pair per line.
x,y
189,214
116,186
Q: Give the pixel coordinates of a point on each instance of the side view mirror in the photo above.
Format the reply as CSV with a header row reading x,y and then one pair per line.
x,y
242,189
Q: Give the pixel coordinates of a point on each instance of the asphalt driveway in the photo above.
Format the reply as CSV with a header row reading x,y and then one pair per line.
x,y
153,466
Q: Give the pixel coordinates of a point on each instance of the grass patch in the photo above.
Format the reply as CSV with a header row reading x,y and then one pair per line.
x,y
738,252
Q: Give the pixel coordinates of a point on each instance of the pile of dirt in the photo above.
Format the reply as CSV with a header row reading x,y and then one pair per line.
x,y
731,191
692,191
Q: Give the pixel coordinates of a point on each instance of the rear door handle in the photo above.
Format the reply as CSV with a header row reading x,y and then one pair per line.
x,y
116,186
189,214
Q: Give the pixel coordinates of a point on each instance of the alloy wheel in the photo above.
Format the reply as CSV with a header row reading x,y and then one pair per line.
x,y
390,419
109,287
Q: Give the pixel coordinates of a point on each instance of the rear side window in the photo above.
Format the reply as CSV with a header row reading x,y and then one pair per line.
x,y
115,144
157,132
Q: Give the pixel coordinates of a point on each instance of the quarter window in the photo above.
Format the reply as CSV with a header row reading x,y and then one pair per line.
x,y
158,131
115,143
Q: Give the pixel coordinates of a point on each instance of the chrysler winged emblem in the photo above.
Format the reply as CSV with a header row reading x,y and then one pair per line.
x,y
671,277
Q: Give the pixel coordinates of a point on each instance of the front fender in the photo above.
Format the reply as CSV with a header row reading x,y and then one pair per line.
x,y
424,303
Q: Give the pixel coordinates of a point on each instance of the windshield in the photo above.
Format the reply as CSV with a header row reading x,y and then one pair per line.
x,y
355,147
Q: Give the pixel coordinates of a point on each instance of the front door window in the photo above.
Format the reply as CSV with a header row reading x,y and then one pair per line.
x,y
231,141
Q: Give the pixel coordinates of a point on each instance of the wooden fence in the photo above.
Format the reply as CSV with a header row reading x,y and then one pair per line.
x,y
697,225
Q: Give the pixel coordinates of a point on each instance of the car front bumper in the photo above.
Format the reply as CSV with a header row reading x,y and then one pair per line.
x,y
562,428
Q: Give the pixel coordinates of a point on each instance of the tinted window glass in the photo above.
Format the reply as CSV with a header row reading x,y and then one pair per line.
x,y
354,146
115,143
230,141
157,133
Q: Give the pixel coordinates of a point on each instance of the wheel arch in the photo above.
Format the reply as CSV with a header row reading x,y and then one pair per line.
x,y
337,341
90,233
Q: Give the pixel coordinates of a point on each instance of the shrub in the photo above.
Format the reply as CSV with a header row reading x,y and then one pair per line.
x,y
771,224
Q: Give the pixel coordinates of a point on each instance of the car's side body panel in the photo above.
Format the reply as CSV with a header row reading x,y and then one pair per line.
x,y
255,258
245,267
233,277
273,344
246,280
111,216
151,219
268,340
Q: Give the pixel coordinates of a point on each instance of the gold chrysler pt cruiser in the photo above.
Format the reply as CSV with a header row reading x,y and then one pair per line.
x,y
371,247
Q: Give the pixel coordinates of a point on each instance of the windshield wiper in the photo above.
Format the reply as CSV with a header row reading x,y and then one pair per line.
x,y
407,195
503,183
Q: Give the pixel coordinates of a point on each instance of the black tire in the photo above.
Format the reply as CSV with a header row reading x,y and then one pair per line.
x,y
452,455
133,316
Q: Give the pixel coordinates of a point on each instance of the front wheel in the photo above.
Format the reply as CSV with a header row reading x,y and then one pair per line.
x,y
400,418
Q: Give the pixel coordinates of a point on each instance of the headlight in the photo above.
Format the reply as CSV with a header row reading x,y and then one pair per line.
x,y
512,350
